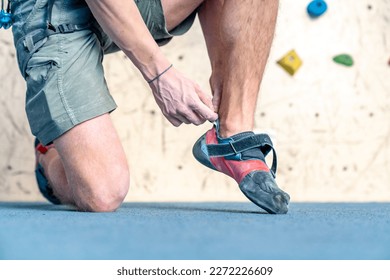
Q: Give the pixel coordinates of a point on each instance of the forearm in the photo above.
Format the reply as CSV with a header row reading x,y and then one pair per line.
x,y
122,21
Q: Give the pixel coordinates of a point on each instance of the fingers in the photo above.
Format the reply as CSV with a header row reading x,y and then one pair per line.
x,y
196,110
206,107
205,113
183,101
186,116
183,119
197,114
174,121
205,98
199,110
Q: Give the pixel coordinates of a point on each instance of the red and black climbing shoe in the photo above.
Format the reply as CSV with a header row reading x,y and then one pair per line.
x,y
42,181
242,157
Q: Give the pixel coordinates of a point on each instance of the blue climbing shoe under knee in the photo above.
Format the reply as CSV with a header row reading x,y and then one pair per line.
x,y
242,157
43,183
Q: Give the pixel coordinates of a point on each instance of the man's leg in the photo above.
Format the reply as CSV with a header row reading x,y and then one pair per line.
x,y
85,173
88,168
238,38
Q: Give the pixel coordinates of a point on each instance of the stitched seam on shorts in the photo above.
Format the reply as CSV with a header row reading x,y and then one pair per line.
x,y
68,110
61,50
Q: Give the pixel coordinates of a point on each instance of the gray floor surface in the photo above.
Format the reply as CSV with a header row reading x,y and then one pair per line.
x,y
142,231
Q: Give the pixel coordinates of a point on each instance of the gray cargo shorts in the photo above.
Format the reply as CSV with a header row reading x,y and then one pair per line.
x,y
64,72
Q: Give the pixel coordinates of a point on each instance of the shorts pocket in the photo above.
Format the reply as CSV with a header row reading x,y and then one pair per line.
x,y
39,73
40,77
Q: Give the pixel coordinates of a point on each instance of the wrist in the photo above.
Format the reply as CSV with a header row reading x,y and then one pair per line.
x,y
150,64
159,75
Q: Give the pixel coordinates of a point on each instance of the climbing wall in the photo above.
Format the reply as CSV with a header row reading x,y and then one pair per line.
x,y
329,121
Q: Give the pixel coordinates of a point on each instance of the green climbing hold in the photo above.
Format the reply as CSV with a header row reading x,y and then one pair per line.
x,y
344,59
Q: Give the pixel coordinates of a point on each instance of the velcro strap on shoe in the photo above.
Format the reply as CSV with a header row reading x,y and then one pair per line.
x,y
239,146
262,141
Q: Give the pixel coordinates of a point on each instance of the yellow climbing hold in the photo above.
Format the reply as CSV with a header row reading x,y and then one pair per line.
x,y
290,62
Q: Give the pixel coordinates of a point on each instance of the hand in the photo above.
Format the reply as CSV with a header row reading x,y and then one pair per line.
x,y
181,100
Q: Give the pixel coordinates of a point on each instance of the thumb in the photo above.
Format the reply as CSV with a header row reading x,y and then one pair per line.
x,y
206,108
206,112
205,98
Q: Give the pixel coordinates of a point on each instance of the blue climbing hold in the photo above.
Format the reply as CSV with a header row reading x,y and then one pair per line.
x,y
5,19
317,8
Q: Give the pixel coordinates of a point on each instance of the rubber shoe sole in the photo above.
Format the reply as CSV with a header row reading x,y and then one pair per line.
x,y
259,186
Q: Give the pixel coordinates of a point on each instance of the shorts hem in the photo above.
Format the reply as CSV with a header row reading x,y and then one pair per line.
x,y
55,129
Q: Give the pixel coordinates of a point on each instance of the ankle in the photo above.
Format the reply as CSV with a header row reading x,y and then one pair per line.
x,y
228,129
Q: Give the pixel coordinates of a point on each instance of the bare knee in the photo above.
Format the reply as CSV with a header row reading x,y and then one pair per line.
x,y
95,165
104,194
